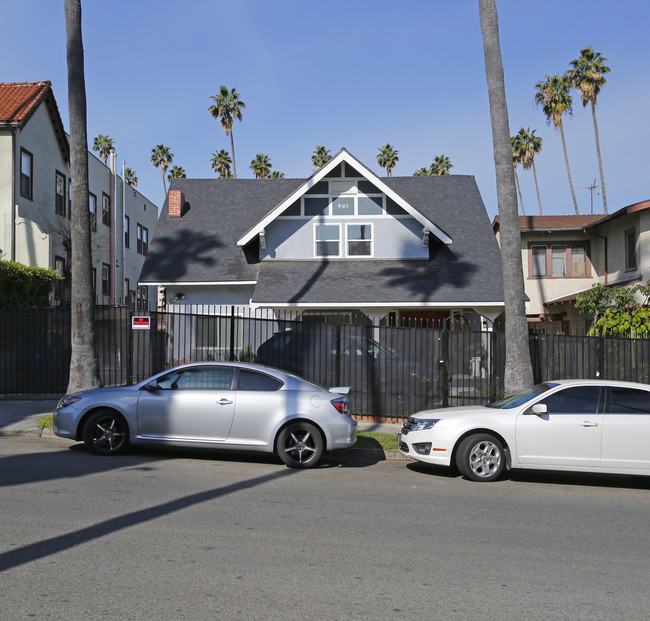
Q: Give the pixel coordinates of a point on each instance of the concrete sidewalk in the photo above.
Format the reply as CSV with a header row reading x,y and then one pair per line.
x,y
21,417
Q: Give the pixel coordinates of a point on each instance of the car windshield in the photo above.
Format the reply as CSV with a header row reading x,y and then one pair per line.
x,y
514,401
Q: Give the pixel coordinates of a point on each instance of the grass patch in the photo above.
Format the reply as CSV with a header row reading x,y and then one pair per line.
x,y
373,440
45,422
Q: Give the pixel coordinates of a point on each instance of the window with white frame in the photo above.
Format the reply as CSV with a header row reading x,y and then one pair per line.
x,y
327,240
343,198
359,240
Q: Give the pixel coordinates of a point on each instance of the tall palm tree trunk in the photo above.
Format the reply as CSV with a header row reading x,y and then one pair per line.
x,y
521,198
84,367
518,368
600,159
539,200
232,150
568,170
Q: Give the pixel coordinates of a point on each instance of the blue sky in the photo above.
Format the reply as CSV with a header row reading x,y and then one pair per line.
x,y
347,73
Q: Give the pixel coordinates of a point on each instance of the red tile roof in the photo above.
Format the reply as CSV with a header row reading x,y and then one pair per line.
x,y
19,100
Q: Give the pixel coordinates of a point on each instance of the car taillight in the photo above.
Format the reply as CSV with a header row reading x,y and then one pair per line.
x,y
341,405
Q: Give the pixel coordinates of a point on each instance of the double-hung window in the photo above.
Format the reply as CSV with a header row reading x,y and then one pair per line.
x,y
359,239
26,174
59,197
143,239
327,238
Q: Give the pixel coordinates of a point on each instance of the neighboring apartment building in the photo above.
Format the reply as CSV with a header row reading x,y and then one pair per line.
x,y
35,201
563,256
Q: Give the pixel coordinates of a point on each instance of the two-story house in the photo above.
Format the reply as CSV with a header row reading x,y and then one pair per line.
x,y
563,256
391,250
35,202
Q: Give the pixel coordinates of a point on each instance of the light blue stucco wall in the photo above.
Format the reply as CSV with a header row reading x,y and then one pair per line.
x,y
393,237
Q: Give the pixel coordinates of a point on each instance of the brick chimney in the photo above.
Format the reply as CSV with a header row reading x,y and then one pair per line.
x,y
176,202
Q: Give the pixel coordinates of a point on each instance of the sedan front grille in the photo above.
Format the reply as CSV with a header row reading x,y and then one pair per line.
x,y
403,447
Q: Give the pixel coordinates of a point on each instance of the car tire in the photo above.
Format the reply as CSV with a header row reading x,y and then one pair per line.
x,y
106,433
481,457
300,445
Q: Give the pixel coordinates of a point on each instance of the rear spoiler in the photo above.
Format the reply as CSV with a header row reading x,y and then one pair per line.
x,y
340,390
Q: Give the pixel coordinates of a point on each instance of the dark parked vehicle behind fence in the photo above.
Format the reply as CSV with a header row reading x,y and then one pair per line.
x,y
393,371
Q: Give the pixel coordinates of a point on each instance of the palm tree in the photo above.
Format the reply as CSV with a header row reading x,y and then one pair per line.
x,y
518,369
220,163
103,144
130,178
84,367
530,145
261,166
516,160
276,174
441,166
176,172
553,95
587,76
387,158
320,157
162,157
422,172
226,108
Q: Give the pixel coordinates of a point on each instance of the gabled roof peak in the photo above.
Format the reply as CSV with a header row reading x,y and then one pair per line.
x,y
361,171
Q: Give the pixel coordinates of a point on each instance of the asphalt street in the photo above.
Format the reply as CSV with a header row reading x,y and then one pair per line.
x,y
204,535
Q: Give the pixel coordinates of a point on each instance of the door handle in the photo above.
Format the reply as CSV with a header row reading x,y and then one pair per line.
x,y
224,402
588,423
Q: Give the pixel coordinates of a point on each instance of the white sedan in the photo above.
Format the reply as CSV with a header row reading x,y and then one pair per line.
x,y
576,425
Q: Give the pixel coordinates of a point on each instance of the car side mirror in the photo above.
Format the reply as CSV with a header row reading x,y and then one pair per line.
x,y
151,386
538,409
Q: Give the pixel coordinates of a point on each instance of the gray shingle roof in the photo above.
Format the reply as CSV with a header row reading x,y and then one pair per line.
x,y
202,247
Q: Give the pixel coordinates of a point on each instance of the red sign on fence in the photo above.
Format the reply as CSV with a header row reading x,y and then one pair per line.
x,y
140,323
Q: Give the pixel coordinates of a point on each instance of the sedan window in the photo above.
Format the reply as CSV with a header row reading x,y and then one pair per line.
x,y
250,380
629,401
198,378
514,401
574,400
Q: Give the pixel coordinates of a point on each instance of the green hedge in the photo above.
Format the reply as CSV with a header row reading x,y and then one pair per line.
x,y
21,285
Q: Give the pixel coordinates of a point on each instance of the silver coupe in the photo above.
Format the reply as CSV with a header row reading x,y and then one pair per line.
x,y
223,405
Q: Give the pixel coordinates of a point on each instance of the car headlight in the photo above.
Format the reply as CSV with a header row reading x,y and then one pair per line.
x,y
67,400
424,423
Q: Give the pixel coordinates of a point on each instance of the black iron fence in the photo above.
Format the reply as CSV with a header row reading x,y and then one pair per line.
x,y
393,371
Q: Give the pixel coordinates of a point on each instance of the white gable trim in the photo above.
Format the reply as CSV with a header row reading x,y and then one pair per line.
x,y
342,156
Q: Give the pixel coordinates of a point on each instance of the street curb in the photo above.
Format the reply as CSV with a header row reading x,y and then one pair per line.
x,y
350,453
27,432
